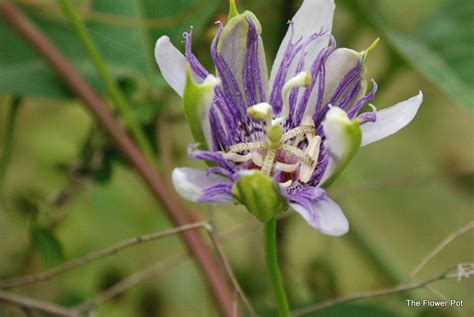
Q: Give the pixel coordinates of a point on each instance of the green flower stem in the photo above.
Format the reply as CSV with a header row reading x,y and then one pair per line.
x,y
112,89
273,269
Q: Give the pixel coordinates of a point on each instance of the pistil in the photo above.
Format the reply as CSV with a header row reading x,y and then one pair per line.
x,y
277,138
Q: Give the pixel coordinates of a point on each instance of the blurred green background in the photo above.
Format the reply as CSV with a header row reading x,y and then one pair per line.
x,y
65,190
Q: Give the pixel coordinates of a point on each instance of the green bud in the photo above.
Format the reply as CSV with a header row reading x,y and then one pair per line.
x,y
260,195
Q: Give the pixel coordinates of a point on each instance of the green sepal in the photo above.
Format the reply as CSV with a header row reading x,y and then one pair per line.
x,y
351,139
237,27
260,195
197,99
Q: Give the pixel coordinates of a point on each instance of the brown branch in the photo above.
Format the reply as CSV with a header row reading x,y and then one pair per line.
x,y
113,249
385,291
171,204
33,304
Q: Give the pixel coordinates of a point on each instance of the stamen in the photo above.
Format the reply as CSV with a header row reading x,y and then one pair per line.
x,y
306,170
305,129
240,147
268,162
304,157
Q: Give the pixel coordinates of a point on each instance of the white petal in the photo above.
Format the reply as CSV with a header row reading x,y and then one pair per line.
x,y
172,64
313,16
189,182
391,120
329,218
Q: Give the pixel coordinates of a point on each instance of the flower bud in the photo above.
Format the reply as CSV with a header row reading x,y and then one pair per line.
x,y
260,195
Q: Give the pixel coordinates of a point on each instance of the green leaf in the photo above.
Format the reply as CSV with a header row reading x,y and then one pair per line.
x,y
260,194
47,245
124,30
441,49
450,31
435,67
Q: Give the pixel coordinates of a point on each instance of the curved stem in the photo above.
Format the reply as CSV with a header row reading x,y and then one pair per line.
x,y
114,92
273,268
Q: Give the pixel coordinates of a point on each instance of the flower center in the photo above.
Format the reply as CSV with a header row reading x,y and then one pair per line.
x,y
265,154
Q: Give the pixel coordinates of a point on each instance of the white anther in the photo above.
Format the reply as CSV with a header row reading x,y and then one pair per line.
x,y
306,170
257,159
238,158
286,184
302,79
287,168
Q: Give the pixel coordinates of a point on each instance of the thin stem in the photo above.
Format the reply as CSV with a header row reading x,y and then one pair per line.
x,y
15,103
117,97
274,270
446,241
230,273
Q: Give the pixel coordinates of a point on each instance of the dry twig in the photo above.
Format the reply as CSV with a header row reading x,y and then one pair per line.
x,y
33,304
113,249
459,232
449,274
